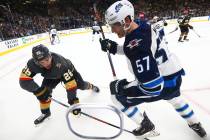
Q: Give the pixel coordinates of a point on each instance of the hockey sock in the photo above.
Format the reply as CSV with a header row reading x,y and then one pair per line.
x,y
184,110
185,37
134,114
45,106
89,86
180,38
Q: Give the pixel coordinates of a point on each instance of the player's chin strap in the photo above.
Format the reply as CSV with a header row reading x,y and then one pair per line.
x,y
103,36
126,28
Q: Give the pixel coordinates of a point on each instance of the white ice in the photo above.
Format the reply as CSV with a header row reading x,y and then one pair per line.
x,y
18,108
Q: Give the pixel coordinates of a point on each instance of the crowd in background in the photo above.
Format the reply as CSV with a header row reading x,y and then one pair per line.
x,y
172,9
14,24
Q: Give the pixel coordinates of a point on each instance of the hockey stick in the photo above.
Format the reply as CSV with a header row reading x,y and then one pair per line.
x,y
50,38
102,121
196,33
103,36
173,30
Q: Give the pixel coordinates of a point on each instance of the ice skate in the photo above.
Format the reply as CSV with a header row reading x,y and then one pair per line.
x,y
198,129
146,129
41,118
95,89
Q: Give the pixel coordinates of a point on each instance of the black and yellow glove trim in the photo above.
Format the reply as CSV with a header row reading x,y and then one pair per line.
x,y
76,111
75,101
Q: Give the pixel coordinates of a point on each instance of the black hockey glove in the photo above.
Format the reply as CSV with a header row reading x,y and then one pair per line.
x,y
191,27
43,93
110,45
117,87
75,101
165,24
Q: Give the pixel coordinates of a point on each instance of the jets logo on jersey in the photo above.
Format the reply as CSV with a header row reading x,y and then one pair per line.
x,y
134,43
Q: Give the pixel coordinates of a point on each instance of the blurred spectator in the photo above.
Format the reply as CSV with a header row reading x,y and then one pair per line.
x,y
72,14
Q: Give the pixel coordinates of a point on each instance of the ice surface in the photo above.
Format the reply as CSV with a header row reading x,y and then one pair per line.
x,y
18,108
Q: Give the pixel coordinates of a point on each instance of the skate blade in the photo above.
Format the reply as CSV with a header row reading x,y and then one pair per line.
x,y
152,133
46,120
205,137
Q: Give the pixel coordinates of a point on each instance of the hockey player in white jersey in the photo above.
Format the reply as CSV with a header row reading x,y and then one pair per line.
x,y
96,29
53,35
158,26
158,73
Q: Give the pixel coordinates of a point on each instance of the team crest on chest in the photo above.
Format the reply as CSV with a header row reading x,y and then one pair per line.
x,y
134,43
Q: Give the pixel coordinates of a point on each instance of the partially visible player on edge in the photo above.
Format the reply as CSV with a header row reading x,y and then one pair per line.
x,y
96,29
158,73
184,26
55,69
53,35
158,26
141,19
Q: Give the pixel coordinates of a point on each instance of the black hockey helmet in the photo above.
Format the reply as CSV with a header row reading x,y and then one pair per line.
x,y
40,52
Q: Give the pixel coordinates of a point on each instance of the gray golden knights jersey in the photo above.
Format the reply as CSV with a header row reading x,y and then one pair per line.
x,y
62,69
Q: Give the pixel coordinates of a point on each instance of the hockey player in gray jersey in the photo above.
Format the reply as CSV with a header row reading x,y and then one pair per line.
x,y
55,69
158,73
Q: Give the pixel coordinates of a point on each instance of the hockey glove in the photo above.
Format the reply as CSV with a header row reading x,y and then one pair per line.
x,y
191,27
43,93
107,44
117,87
75,101
165,24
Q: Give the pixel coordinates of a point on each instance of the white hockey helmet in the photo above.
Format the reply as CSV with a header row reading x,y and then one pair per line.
x,y
155,18
95,23
118,11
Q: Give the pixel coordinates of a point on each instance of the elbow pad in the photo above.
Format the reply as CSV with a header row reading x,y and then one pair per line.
x,y
28,85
